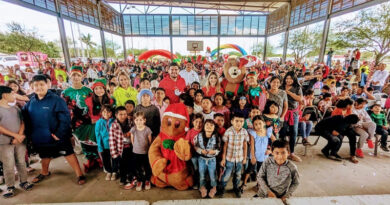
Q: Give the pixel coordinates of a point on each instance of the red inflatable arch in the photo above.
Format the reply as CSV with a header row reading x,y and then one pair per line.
x,y
147,54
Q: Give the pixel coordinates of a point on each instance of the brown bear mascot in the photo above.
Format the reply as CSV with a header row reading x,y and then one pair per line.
x,y
170,151
234,71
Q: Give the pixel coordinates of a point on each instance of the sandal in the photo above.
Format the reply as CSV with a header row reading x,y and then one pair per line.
x,y
81,180
40,177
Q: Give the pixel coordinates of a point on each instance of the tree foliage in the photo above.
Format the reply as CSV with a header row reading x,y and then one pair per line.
x,y
87,40
305,42
369,31
19,38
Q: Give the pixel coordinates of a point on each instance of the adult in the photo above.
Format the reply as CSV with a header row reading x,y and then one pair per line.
x,y
189,74
173,83
291,120
278,95
379,78
213,85
329,57
92,72
47,121
124,91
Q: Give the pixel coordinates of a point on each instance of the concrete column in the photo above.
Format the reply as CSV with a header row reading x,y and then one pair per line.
x,y
61,29
102,32
265,48
325,34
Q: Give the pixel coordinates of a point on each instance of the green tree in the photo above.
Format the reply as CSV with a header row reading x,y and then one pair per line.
x,y
370,31
258,50
113,49
19,38
304,42
87,40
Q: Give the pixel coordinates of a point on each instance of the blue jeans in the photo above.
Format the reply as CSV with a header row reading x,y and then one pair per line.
x,y
291,130
207,164
305,128
329,61
195,165
229,168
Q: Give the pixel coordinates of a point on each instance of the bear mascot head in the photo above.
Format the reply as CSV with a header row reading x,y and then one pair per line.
x,y
234,71
170,151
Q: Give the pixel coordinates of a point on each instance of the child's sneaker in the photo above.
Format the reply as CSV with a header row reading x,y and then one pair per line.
x,y
139,186
10,192
130,185
147,185
26,186
359,153
113,176
108,176
370,144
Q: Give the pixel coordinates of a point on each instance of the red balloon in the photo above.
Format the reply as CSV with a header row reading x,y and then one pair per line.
x,y
147,54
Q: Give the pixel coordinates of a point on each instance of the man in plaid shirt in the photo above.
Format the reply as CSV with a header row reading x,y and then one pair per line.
x,y
120,147
234,153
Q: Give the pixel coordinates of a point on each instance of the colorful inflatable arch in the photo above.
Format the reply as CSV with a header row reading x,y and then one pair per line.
x,y
147,54
233,46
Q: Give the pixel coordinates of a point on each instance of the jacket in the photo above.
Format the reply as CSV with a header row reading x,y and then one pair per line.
x,y
47,116
102,129
282,180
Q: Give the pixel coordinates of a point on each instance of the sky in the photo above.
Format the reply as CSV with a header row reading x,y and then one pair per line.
x,y
47,27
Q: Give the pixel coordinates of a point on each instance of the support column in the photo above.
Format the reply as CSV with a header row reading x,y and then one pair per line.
x,y
219,36
265,48
123,37
64,42
287,33
102,32
325,34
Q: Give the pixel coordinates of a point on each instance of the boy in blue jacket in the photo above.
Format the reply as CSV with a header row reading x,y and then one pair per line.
x,y
102,129
47,122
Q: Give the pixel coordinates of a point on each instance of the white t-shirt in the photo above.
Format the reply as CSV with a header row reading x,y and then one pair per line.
x,y
189,77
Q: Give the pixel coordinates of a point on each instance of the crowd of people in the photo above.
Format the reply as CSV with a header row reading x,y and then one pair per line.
x,y
113,112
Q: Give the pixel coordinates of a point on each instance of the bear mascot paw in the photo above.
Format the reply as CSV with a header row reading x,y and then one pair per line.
x,y
169,151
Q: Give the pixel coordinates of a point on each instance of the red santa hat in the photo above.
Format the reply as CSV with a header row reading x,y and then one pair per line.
x,y
178,110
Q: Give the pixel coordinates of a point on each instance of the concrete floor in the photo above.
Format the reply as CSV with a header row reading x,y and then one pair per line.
x,y
319,177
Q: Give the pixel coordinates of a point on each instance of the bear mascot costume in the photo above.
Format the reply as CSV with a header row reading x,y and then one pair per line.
x,y
170,151
234,71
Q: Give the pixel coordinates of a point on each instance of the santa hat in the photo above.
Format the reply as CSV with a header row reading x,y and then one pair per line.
x,y
78,69
178,110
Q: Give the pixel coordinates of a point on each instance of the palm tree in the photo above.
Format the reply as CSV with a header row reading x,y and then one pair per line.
x,y
86,39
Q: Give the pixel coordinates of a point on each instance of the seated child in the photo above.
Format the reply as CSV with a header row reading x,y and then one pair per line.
x,y
278,177
382,127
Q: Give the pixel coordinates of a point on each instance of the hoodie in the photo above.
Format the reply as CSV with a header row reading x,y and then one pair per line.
x,y
282,180
47,116
102,128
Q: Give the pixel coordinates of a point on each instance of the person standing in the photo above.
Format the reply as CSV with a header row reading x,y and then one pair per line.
x,y
329,57
379,78
173,83
189,74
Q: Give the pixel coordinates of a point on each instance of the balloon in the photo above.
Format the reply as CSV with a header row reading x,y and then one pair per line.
x,y
234,46
147,54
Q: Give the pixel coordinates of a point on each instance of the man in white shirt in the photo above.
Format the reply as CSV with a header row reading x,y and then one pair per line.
x,y
189,74
379,78
92,72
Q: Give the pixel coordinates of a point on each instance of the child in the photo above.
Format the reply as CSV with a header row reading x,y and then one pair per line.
x,y
159,101
207,145
278,177
207,112
259,137
50,132
151,112
141,138
130,105
120,147
234,153
145,84
248,122
12,148
241,107
197,123
102,139
382,127
220,121
220,108
270,116
365,128
198,101
325,103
